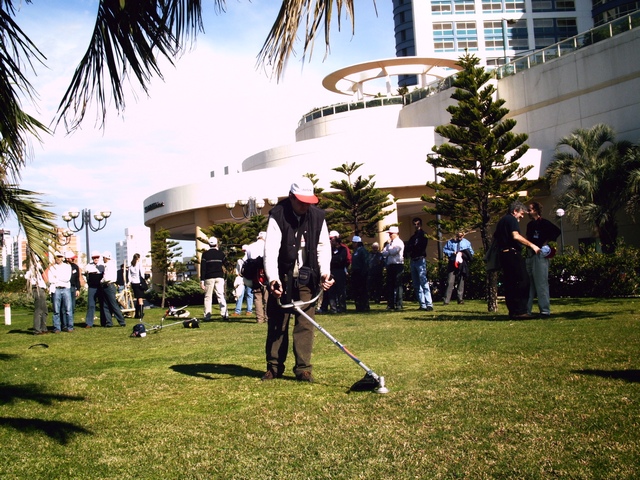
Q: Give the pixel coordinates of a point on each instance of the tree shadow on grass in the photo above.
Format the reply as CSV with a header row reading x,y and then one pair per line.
x,y
10,393
61,432
466,316
630,376
214,371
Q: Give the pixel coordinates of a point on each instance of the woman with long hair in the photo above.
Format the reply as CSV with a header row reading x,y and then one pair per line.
x,y
138,284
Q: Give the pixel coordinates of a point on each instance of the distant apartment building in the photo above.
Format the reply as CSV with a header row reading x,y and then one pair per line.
x,y
136,241
496,31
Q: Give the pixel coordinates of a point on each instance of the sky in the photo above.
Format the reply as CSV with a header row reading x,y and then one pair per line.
x,y
202,117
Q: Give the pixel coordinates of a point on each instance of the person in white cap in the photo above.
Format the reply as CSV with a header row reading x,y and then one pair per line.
x,y
212,279
59,276
297,261
110,306
393,253
93,273
259,283
359,273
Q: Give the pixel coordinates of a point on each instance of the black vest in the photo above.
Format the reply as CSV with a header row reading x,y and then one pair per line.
x,y
311,225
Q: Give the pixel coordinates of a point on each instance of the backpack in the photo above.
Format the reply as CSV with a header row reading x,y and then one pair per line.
x,y
253,270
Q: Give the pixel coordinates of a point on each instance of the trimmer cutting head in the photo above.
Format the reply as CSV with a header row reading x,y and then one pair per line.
x,y
369,383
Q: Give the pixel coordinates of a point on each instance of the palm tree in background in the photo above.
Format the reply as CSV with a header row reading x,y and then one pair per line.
x,y
592,172
129,39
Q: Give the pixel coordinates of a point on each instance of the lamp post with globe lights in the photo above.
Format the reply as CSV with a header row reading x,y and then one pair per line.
x,y
560,213
85,221
250,207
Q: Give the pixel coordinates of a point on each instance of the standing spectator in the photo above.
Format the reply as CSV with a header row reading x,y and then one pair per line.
x,y
121,281
540,232
138,284
258,284
339,263
297,240
212,279
417,249
375,274
37,285
359,271
77,279
516,279
110,306
59,276
393,253
94,272
460,253
240,290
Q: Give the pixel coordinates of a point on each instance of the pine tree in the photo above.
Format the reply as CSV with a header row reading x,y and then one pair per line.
x,y
478,167
357,206
163,254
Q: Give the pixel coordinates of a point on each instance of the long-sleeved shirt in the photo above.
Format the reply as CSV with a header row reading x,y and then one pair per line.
x,y
393,251
272,250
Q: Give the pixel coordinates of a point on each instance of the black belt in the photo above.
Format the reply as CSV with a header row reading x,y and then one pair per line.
x,y
418,258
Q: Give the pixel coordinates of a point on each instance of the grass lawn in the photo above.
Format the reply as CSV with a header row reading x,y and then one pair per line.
x,y
472,395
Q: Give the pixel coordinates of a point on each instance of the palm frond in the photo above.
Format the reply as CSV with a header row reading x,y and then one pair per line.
x,y
17,52
280,42
31,213
129,37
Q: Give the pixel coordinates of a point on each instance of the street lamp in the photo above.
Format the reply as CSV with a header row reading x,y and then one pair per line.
x,y
505,41
433,156
250,207
85,222
560,214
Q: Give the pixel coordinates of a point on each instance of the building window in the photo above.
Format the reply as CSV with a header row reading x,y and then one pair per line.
x,y
452,37
464,6
548,31
440,7
517,35
503,6
553,5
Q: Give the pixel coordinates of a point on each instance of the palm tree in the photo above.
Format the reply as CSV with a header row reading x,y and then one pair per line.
x,y
129,39
590,170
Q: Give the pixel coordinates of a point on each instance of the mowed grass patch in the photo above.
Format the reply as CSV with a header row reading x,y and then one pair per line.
x,y
472,395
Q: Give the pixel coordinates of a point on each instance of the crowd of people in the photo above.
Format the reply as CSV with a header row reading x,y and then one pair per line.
x,y
297,259
63,281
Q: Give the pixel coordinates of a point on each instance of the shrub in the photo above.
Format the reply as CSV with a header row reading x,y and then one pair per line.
x,y
179,294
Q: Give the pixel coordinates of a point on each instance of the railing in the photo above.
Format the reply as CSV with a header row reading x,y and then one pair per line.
x,y
406,99
595,35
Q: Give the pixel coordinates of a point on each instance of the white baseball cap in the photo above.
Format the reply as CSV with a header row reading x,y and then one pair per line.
x,y
213,241
356,239
303,190
334,234
107,254
393,229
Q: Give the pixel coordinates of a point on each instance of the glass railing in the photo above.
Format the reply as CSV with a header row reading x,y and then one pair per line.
x,y
595,35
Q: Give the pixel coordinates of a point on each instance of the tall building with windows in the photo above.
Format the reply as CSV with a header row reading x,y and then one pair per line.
x,y
496,31
136,241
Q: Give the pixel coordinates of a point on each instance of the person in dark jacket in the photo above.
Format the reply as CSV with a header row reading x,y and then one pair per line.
x,y
359,273
212,279
460,253
297,259
339,265
515,277
416,248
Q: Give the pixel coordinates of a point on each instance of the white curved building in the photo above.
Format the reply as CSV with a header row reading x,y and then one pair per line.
x,y
599,83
